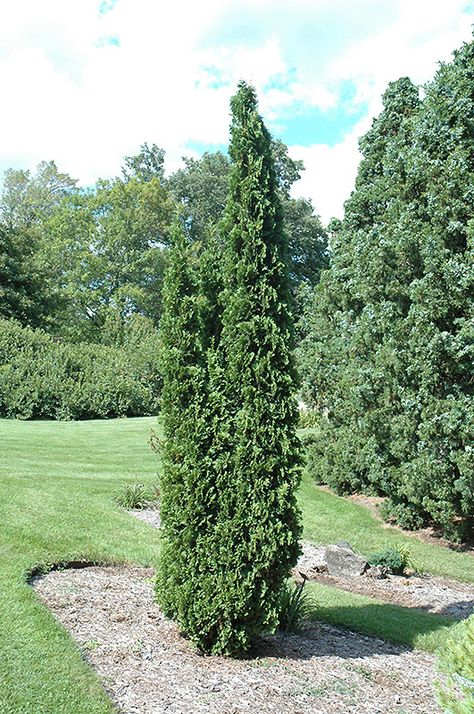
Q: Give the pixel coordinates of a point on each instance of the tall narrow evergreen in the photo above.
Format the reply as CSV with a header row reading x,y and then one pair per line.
x,y
182,406
231,458
259,522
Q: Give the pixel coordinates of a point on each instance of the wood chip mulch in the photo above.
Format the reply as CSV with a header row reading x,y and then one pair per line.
x,y
148,668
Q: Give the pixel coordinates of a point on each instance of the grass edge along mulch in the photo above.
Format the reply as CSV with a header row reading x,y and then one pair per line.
x,y
58,485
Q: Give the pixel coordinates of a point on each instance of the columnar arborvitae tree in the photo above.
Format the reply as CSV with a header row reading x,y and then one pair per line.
x,y
259,522
231,458
182,406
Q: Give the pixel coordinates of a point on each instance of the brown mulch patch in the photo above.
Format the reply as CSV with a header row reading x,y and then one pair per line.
x,y
436,595
147,667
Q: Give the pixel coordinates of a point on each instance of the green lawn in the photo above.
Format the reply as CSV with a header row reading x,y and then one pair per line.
x,y
57,486
329,518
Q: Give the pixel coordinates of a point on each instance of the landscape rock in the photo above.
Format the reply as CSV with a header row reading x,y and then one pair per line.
x,y
378,572
311,561
343,562
344,544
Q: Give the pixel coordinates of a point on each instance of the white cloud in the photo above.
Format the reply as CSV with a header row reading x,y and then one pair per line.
x,y
70,95
330,172
424,34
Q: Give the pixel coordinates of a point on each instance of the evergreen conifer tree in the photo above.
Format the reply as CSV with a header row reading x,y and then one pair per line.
x,y
355,351
435,480
259,525
183,366
389,354
232,457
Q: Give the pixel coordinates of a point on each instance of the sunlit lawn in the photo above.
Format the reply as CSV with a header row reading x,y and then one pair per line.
x,y
57,486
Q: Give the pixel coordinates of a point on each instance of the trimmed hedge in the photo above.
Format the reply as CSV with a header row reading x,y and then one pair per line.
x,y
43,378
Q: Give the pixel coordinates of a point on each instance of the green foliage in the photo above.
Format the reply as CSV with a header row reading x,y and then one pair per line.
x,y
28,289
110,247
148,164
187,487
387,356
70,257
308,419
231,455
201,188
22,282
395,560
260,457
43,378
296,606
138,495
456,695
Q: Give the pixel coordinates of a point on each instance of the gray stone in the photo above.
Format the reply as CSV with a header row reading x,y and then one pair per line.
x,y
344,544
378,572
311,561
343,562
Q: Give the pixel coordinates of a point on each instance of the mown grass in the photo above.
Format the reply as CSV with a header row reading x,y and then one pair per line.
x,y
58,482
329,518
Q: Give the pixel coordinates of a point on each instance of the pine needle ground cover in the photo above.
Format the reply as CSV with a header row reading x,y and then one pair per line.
x,y
59,481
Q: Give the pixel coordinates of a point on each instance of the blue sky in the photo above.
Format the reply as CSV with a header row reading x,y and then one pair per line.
x,y
85,82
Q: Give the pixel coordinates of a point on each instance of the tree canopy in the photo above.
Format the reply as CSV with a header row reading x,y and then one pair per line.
x,y
389,344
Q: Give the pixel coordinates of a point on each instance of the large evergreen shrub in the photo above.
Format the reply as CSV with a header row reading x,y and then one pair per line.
x,y
44,378
232,456
436,476
354,354
389,352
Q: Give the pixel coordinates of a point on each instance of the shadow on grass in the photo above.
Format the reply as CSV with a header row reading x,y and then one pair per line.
x,y
460,610
358,631
409,627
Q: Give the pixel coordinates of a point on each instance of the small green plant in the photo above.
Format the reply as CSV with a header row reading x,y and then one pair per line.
x,y
396,560
295,606
154,441
137,495
308,419
91,645
360,669
456,696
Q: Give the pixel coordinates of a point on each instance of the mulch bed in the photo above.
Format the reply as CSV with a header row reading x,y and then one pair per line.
x,y
147,667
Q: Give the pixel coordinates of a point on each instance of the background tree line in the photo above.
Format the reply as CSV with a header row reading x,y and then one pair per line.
x,y
384,341
85,268
80,262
